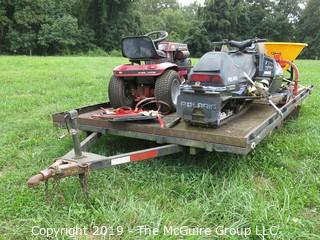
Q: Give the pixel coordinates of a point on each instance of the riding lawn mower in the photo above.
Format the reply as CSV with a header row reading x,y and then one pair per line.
x,y
155,72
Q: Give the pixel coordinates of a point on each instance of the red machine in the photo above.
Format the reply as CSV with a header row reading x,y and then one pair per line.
x,y
156,69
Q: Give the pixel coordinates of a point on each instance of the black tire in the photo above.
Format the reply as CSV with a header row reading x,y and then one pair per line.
x,y
165,88
119,93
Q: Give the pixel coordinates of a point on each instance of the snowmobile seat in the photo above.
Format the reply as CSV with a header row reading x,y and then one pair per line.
x,y
241,44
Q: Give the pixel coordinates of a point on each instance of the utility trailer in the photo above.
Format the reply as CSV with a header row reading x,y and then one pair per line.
x,y
239,136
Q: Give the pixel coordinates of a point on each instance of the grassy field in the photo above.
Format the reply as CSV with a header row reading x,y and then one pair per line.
x,y
276,185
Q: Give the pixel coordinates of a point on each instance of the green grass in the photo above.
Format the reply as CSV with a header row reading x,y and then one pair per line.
x,y
277,184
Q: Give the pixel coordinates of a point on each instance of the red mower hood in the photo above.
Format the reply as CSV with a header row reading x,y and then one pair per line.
x,y
129,70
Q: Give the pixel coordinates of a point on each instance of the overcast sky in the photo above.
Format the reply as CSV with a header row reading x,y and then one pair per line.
x,y
187,2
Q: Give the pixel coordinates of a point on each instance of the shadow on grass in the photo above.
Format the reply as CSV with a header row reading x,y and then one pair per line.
x,y
111,145
166,169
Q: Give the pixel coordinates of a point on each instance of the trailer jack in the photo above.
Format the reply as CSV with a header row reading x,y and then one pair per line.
x,y
80,162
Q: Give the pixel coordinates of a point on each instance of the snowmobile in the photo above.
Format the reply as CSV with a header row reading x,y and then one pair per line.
x,y
222,83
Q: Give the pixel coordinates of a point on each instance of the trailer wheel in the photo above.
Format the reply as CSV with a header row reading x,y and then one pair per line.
x,y
167,88
119,93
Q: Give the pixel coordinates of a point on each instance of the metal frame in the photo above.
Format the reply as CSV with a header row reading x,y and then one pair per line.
x,y
79,162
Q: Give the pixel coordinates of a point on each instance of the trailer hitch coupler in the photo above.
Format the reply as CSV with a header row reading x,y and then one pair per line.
x,y
35,180
42,176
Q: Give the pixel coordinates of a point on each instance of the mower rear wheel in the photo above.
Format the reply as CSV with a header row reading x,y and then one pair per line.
x,y
167,88
119,93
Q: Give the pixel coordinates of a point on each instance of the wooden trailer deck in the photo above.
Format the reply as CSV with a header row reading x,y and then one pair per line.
x,y
239,136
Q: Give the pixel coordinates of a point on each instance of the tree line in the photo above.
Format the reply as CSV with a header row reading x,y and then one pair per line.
x,y
49,27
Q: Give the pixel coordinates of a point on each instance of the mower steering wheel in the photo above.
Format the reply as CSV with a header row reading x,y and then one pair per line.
x,y
162,36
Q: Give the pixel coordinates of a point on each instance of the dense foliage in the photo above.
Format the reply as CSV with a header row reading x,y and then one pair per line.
x,y
60,27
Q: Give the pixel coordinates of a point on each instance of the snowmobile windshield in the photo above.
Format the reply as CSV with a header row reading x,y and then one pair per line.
x,y
210,62
226,64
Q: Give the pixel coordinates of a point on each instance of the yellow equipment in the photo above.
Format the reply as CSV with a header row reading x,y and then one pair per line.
x,y
285,50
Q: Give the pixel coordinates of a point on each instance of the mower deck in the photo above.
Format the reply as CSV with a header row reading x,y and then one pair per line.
x,y
238,136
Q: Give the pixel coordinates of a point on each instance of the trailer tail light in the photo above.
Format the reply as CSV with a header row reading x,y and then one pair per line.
x,y
205,78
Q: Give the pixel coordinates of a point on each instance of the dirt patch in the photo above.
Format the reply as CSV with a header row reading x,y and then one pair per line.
x,y
310,213
260,182
5,170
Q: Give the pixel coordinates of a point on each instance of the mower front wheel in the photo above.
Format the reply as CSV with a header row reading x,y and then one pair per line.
x,y
119,92
167,88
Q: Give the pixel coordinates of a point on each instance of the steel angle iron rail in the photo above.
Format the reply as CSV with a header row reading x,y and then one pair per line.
x,y
79,162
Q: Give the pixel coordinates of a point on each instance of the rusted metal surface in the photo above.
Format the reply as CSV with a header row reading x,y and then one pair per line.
x,y
59,169
72,165
44,174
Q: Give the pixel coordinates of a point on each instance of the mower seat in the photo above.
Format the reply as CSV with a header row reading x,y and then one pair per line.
x,y
140,48
240,44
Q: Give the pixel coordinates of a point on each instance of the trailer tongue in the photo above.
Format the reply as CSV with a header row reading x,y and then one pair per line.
x,y
239,136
